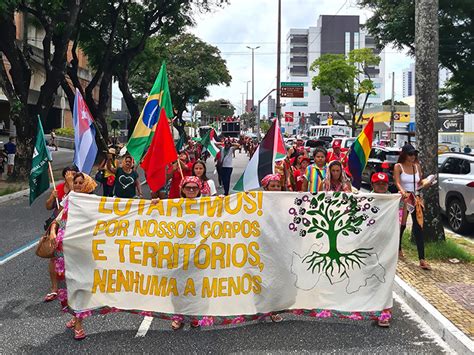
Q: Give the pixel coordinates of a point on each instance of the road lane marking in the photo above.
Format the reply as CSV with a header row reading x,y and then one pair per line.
x,y
144,326
16,252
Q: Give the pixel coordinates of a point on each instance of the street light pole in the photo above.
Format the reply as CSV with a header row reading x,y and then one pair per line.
x,y
278,104
253,82
392,112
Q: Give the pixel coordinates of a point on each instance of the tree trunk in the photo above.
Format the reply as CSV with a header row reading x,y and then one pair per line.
x,y
130,101
426,92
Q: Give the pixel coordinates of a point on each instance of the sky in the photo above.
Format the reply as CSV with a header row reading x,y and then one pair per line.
x,y
243,23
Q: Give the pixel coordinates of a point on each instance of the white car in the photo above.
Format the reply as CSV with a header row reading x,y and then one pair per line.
x,y
456,189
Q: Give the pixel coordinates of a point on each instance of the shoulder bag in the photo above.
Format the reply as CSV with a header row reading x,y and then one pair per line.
x,y
46,245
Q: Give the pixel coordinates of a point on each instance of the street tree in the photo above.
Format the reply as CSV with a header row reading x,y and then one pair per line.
x,y
346,81
393,23
395,102
215,109
193,65
426,108
58,20
249,120
112,35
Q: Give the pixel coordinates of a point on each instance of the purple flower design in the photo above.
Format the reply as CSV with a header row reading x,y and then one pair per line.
x,y
62,294
324,314
356,316
206,321
177,318
59,265
385,316
60,235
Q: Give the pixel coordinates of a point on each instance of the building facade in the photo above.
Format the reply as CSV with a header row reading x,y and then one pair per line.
x,y
408,81
60,114
271,104
335,35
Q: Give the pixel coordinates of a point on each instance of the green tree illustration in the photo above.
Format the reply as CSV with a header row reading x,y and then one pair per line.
x,y
335,215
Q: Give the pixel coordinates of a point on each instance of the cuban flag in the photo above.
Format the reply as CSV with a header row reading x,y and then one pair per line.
x,y
84,135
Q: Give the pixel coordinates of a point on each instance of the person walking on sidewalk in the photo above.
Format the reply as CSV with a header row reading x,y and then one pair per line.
x,y
10,149
407,174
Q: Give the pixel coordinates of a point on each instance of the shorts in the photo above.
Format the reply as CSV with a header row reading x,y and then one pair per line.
x,y
11,159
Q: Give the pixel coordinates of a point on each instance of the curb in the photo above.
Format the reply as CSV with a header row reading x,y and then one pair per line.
x,y
452,335
14,195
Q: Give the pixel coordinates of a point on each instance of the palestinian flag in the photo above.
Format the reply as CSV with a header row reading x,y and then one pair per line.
x,y
209,142
270,150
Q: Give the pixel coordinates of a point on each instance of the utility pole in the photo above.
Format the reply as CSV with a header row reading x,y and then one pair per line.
x,y
258,113
392,111
253,77
278,104
247,95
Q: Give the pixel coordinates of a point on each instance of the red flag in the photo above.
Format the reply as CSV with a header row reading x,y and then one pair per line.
x,y
160,154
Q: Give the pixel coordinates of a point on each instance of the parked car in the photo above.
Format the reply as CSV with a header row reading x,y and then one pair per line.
x,y
381,159
456,189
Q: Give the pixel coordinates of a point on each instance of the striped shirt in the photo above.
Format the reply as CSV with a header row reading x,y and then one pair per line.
x,y
315,179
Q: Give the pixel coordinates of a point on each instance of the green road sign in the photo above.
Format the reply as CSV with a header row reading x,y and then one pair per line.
x,y
291,84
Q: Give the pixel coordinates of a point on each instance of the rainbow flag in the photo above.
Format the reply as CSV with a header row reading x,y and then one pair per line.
x,y
359,154
158,99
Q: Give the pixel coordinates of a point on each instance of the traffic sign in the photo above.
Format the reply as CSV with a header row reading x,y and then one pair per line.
x,y
291,84
289,116
292,91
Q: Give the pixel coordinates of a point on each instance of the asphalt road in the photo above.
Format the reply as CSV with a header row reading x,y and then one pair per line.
x,y
27,325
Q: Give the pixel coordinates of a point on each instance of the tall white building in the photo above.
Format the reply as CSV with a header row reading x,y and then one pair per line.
x,y
332,34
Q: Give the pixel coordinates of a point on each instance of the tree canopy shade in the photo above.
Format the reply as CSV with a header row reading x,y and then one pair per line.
x,y
193,65
393,23
58,19
395,102
346,81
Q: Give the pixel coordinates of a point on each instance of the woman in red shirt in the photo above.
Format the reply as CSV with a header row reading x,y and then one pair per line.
x,y
175,173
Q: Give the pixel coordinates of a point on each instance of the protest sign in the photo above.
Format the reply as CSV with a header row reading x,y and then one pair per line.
x,y
234,257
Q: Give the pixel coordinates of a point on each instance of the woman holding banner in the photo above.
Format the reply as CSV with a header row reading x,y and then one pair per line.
x,y
82,183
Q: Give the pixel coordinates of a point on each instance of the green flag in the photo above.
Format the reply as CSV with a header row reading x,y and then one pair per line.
x,y
209,142
180,143
39,180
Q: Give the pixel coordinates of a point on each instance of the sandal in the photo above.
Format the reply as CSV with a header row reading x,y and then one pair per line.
x,y
50,297
79,334
276,318
177,325
71,323
424,265
383,323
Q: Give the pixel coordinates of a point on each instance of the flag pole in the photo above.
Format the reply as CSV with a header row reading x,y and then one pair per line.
x,y
54,183
180,169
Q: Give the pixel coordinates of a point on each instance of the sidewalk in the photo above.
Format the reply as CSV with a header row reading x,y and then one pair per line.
x,y
447,287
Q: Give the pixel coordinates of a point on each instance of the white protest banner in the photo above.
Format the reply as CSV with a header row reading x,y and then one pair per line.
x,y
233,258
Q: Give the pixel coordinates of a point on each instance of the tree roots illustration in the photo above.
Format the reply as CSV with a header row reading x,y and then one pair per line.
x,y
335,263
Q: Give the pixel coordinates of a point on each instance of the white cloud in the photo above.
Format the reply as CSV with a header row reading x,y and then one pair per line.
x,y
253,23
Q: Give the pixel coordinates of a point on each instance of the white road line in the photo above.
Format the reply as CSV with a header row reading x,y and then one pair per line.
x,y
144,326
17,252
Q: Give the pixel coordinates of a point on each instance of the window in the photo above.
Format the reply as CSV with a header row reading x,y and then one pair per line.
x,y
441,160
452,166
392,156
348,43
356,40
465,167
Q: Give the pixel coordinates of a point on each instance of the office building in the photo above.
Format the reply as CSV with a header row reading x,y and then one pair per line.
x,y
332,34
408,81
271,104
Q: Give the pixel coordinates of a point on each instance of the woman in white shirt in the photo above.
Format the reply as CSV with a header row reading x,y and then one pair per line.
x,y
208,187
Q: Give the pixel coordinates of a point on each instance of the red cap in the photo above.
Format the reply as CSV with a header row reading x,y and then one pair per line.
x,y
336,143
379,177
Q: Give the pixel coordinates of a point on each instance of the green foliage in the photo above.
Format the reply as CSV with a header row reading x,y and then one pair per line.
x,y
211,109
393,23
264,126
395,102
442,250
340,78
192,66
65,132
